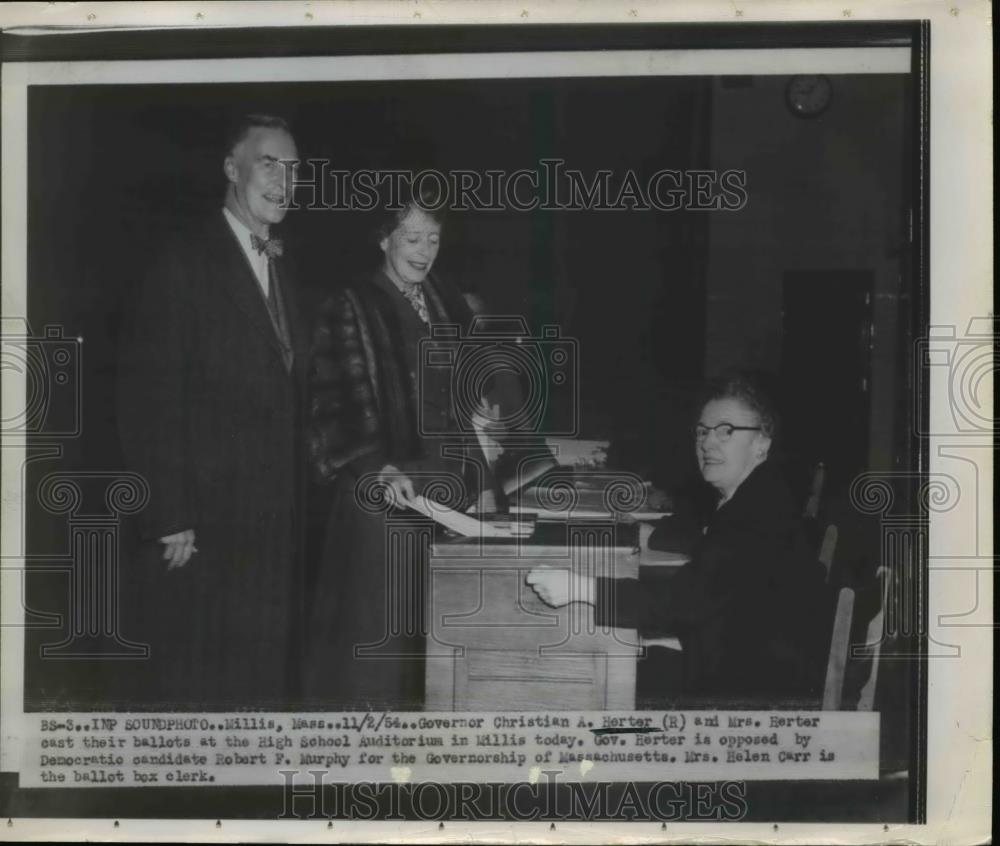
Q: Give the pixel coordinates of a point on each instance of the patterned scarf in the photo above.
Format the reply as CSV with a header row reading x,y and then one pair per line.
x,y
415,295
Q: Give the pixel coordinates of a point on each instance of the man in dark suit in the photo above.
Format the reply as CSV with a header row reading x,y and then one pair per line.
x,y
210,400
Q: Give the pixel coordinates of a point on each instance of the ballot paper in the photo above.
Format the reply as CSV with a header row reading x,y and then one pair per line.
x,y
466,525
579,453
482,424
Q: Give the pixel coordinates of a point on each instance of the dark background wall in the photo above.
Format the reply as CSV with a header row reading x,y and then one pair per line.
x,y
827,205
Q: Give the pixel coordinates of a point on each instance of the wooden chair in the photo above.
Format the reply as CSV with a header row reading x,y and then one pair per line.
x,y
840,644
840,640
827,549
841,649
812,507
874,637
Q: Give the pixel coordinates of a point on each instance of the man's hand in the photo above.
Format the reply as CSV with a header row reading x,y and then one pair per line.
x,y
557,587
398,485
178,548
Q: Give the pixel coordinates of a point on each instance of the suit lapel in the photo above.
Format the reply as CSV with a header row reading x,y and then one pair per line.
x,y
296,327
293,313
239,283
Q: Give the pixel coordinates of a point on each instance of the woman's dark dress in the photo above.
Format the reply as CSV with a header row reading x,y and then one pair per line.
x,y
750,607
366,640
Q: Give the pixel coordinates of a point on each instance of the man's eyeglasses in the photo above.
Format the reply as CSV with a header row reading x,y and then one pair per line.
x,y
723,431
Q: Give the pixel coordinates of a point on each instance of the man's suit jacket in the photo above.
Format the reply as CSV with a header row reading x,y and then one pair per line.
x,y
210,415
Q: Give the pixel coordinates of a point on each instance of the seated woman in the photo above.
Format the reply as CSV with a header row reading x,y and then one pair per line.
x,y
747,608
375,416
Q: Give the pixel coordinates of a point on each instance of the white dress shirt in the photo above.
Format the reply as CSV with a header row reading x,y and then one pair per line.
x,y
258,261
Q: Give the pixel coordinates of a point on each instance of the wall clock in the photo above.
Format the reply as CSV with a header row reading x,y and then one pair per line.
x,y
808,95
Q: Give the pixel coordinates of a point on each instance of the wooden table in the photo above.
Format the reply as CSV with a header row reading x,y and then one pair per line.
x,y
494,646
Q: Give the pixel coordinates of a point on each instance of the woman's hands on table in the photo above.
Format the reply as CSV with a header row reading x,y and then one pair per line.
x,y
399,486
558,587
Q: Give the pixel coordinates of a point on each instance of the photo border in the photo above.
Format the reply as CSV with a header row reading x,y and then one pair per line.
x,y
290,41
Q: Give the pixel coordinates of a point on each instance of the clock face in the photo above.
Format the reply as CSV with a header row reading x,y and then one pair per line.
x,y
808,95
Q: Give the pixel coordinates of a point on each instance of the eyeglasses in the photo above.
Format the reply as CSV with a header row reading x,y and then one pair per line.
x,y
723,431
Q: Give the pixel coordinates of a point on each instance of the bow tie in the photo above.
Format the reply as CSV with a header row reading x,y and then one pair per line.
x,y
272,246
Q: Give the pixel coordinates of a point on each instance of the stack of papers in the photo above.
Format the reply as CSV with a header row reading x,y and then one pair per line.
x,y
587,501
466,525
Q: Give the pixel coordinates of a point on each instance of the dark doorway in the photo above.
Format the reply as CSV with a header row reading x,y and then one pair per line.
x,y
825,369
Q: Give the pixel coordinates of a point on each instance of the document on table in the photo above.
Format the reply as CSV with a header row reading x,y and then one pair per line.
x,y
583,502
466,525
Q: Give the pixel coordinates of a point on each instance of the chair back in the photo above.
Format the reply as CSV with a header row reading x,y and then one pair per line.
x,y
840,642
827,549
811,510
872,649
849,645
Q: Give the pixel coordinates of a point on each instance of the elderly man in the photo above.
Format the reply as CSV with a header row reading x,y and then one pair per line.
x,y
210,396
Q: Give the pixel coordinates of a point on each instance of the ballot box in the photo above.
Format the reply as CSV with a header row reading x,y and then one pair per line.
x,y
494,646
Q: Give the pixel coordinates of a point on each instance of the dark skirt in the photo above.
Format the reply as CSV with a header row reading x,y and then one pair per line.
x,y
661,681
366,630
